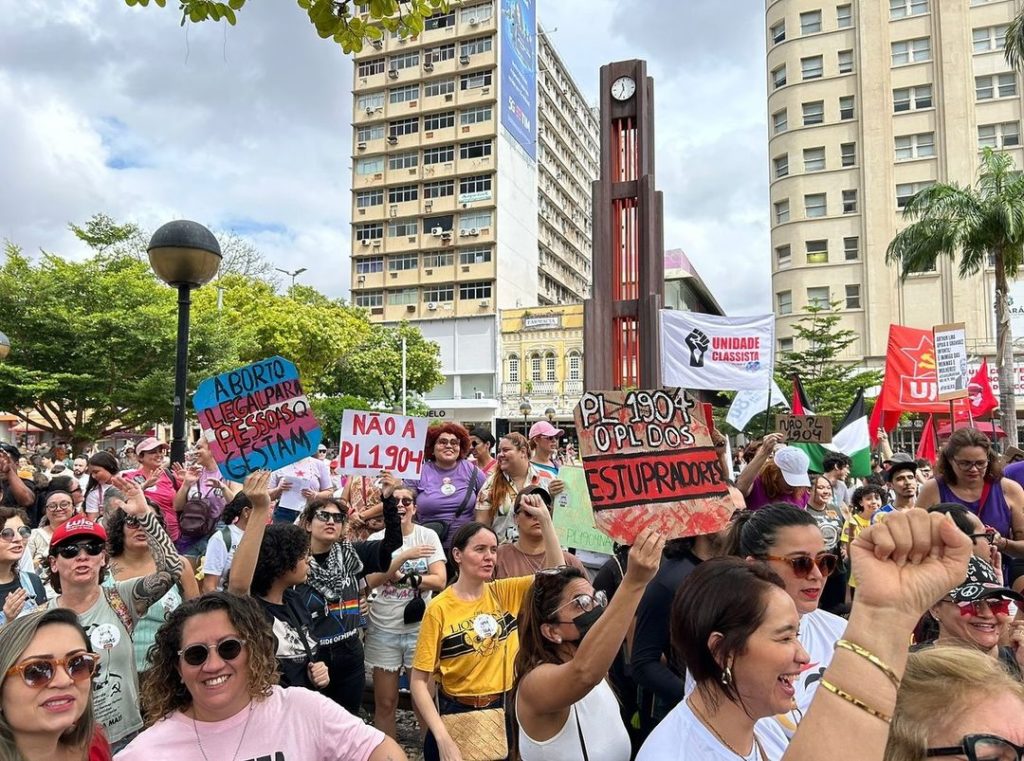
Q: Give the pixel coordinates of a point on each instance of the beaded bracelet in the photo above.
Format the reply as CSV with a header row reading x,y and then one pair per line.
x,y
873,659
851,699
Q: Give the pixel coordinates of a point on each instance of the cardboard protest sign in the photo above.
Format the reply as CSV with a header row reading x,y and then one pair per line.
x,y
376,441
650,461
257,417
951,361
804,429
574,517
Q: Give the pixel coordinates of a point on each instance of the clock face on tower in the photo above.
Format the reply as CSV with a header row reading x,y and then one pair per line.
x,y
623,88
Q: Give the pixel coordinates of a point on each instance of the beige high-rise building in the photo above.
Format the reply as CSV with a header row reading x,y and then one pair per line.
x,y
473,152
868,102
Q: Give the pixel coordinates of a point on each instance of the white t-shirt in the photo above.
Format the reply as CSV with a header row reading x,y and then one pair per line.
x,y
293,724
308,472
682,735
387,608
219,556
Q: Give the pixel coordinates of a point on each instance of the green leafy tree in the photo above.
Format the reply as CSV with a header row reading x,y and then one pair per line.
x,y
333,19
978,225
329,409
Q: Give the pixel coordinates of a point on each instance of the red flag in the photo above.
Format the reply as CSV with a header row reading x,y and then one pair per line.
x,y
881,417
800,404
926,449
980,399
911,383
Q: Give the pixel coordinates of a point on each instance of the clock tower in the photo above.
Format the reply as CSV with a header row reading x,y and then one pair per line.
x,y
621,320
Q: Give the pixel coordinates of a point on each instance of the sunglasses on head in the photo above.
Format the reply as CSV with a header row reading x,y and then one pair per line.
x,y
326,516
70,551
39,672
998,606
227,650
8,534
803,564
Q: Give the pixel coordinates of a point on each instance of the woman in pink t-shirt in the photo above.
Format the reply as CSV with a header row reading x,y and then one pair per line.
x,y
156,481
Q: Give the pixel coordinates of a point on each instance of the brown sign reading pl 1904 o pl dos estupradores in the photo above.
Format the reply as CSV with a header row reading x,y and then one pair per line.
x,y
804,429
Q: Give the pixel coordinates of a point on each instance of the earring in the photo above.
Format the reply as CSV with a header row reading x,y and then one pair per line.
x,y
727,677
558,640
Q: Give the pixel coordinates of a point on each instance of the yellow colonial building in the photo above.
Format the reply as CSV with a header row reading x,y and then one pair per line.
x,y
541,366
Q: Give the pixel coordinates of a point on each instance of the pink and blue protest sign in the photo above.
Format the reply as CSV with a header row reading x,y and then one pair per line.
x,y
257,417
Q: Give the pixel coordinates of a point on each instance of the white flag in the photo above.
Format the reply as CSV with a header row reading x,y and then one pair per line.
x,y
746,404
718,353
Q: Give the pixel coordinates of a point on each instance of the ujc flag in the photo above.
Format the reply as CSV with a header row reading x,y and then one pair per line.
x,y
911,381
713,352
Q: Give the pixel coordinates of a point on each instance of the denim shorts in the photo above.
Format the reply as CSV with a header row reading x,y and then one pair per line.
x,y
389,650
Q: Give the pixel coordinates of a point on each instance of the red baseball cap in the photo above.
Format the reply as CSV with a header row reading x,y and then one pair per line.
x,y
77,526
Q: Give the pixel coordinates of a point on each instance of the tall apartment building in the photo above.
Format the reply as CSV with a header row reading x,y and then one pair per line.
x,y
447,168
869,102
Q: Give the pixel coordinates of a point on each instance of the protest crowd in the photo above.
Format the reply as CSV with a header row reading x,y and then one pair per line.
x,y
161,611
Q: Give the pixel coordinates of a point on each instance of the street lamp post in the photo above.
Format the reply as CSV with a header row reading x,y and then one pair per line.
x,y
184,255
525,408
550,414
292,273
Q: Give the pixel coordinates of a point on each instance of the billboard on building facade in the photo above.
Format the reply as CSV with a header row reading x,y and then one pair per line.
x,y
519,72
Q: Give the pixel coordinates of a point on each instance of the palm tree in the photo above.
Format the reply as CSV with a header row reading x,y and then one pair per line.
x,y
980,224
1015,42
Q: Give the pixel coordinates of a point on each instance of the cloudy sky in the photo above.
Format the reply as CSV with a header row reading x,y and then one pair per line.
x,y
119,110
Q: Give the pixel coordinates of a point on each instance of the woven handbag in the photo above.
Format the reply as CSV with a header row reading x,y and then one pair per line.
x,y
480,735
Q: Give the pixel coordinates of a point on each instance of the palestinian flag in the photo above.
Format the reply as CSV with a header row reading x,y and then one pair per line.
x,y
801,406
851,438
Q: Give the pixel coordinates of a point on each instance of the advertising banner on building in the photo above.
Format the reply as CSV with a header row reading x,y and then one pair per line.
x,y
518,66
714,352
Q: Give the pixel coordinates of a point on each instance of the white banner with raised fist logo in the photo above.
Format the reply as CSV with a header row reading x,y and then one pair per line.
x,y
717,353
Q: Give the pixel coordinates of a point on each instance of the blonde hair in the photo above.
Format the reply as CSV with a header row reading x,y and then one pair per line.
x,y
939,684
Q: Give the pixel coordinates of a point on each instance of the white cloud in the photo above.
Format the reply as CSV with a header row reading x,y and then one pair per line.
x,y
119,110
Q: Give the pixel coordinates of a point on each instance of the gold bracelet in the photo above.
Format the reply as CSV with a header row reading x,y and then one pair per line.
x,y
851,699
873,659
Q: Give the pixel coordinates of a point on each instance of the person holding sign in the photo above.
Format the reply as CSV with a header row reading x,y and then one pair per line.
x,y
776,474
514,473
295,485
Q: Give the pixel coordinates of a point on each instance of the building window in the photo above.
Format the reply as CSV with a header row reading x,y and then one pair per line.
x,y
814,159
904,8
783,254
437,260
995,86
369,68
912,98
373,132
439,154
778,32
477,14
779,76
441,53
475,220
812,67
403,296
779,122
442,120
477,79
479,45
814,112
513,369
853,296
478,184
844,16
988,38
781,164
785,345
403,262
850,201
439,189
535,373
371,231
370,102
475,150
476,115
404,94
848,153
367,198
549,366
817,252
403,194
438,87
810,22
846,107
404,127
907,190
474,256
818,297
370,166
845,61
851,248
575,366
911,51
402,228
369,300
784,302
439,293
814,205
1002,135
439,21
405,60
369,265
403,161
781,212
918,146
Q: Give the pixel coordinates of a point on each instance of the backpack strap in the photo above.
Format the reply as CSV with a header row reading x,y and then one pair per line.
x,y
120,608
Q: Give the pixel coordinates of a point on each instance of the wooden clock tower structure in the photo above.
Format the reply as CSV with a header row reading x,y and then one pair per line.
x,y
621,332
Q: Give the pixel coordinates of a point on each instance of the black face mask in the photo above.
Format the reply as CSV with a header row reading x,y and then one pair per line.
x,y
584,621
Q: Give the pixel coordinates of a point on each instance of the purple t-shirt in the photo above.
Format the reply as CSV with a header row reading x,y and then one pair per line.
x,y
758,497
432,501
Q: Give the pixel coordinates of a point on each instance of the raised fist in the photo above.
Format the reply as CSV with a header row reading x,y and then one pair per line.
x,y
698,342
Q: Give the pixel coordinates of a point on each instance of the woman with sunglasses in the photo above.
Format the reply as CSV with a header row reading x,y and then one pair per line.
x,y
78,566
59,507
514,473
213,693
417,570
20,591
469,638
480,443
790,542
563,706
46,713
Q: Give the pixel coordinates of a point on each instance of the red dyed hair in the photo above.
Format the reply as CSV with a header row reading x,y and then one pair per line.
x,y
434,431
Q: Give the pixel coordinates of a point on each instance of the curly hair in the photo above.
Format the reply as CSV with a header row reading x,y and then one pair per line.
x,y
162,690
115,530
283,546
967,437
456,430
862,491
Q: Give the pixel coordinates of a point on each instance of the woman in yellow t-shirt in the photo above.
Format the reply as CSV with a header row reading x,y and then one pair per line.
x,y
469,638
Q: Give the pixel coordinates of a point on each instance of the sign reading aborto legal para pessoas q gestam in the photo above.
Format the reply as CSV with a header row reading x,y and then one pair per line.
x,y
257,417
650,461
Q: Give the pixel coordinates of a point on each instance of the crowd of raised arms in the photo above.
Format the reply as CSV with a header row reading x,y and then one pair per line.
x,y
160,612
